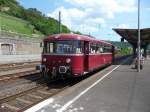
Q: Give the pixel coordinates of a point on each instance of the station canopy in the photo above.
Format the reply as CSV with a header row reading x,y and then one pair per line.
x,y
131,35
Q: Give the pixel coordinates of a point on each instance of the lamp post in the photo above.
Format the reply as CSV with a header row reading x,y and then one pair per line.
x,y
139,38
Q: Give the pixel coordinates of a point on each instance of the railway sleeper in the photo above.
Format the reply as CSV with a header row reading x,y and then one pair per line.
x,y
35,96
24,101
44,92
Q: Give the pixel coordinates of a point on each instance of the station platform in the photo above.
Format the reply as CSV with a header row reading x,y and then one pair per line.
x,y
118,88
4,59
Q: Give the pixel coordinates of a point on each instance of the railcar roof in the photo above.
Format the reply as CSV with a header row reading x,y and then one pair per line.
x,y
73,37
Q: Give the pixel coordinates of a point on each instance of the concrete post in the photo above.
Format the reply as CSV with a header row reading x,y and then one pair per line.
x,y
134,51
14,49
145,49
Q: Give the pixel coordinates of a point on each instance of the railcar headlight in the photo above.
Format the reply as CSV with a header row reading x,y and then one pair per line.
x,y
44,59
68,60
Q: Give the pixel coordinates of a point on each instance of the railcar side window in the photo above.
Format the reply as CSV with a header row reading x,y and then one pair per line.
x,y
107,49
48,47
101,50
97,48
92,48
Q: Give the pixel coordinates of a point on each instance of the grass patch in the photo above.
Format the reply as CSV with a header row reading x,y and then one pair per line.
x,y
13,24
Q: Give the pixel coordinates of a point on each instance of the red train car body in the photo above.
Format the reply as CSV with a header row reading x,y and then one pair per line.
x,y
71,55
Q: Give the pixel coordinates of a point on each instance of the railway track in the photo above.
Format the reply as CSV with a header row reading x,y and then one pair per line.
x,y
17,70
25,99
12,66
18,75
28,98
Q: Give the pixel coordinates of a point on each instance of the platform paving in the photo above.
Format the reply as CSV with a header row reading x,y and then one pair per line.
x,y
122,90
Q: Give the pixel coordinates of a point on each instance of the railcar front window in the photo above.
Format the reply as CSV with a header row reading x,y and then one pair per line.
x,y
63,47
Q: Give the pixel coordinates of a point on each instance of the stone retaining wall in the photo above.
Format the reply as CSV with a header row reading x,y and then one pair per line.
x,y
13,44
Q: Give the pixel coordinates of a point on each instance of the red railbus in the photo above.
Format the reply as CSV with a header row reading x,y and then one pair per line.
x,y
72,55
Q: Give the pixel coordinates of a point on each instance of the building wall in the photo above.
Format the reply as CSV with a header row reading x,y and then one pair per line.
x,y
13,44
28,48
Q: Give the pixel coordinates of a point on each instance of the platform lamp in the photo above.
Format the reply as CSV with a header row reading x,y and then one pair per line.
x,y
139,38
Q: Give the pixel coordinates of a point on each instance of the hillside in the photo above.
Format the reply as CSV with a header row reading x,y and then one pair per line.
x,y
120,44
13,24
124,48
31,20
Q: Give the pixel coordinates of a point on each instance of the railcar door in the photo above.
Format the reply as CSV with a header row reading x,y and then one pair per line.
x,y
86,56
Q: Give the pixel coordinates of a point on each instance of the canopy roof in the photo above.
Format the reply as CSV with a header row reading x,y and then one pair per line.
x,y
131,35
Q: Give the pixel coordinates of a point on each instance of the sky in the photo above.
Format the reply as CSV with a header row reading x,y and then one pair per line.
x,y
95,17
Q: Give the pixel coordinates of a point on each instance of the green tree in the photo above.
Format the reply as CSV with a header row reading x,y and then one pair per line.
x,y
44,24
